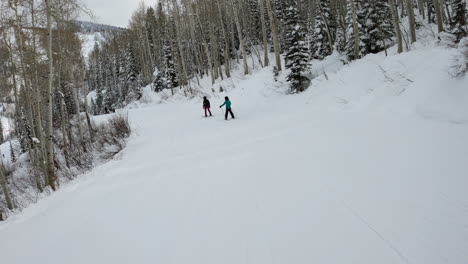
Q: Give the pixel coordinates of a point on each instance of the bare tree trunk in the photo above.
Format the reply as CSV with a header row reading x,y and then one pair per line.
x,y
274,30
214,49
241,38
5,189
37,101
227,63
86,108
449,17
421,8
78,115
207,50
438,11
179,44
411,20
192,23
66,146
50,129
396,24
264,34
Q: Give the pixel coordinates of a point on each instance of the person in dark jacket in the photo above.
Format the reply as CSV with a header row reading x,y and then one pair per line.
x,y
227,103
206,106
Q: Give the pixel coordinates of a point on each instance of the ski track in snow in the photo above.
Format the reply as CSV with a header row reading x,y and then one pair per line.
x,y
377,233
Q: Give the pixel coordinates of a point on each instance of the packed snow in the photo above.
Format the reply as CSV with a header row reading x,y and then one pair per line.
x,y
369,165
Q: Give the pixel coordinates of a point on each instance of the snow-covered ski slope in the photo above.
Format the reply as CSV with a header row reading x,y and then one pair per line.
x,y
369,166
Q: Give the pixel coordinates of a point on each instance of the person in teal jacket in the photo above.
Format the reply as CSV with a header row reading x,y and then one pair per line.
x,y
227,103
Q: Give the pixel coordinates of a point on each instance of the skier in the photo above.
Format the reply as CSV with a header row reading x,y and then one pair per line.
x,y
227,103
206,106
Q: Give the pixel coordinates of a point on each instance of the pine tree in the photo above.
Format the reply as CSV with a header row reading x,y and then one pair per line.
x,y
171,72
339,9
350,32
297,53
98,104
12,153
133,79
458,26
25,134
378,25
159,81
323,33
340,40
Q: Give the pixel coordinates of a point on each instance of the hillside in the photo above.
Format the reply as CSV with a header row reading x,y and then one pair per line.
x,y
91,33
367,166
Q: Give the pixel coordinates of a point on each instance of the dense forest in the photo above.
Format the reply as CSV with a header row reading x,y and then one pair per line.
x,y
45,79
175,43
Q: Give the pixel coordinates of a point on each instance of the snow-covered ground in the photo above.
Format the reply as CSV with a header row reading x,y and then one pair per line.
x,y
88,42
369,166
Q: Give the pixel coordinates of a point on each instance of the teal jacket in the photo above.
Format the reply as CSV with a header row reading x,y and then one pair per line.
x,y
227,103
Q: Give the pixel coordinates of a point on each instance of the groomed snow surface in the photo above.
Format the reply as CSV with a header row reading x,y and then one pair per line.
x,y
369,166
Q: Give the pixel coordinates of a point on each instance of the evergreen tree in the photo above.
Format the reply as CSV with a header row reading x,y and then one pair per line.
x,y
26,134
378,25
12,153
159,81
171,72
98,104
350,34
340,40
133,79
458,26
323,32
297,53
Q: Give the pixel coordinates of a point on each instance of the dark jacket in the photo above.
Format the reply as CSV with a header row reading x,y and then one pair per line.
x,y
206,103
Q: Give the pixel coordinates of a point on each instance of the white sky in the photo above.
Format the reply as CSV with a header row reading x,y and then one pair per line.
x,y
114,12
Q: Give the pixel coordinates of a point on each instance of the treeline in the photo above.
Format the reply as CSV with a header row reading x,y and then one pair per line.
x,y
42,79
180,41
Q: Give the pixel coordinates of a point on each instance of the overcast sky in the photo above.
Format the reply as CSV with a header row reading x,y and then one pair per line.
x,y
114,12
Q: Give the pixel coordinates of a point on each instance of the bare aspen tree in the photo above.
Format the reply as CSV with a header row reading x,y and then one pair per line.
x,y
396,25
5,190
264,34
411,20
235,7
214,49
447,11
86,109
78,116
49,113
438,11
179,43
37,102
207,50
274,31
227,64
421,8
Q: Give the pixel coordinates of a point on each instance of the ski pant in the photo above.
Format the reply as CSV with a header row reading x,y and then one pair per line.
x,y
209,111
227,112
